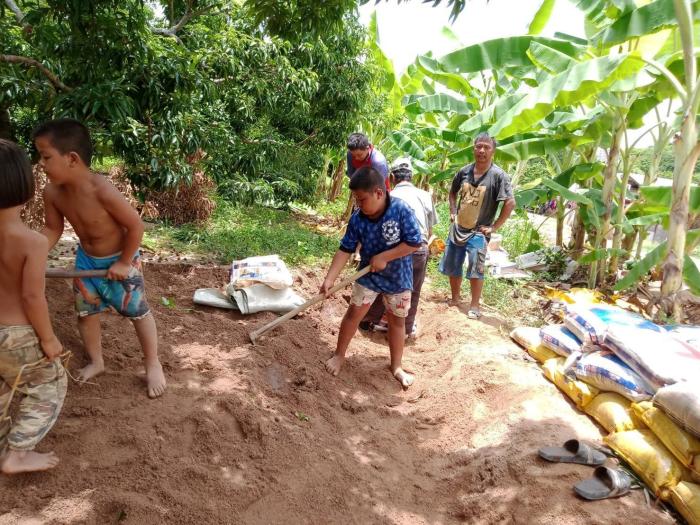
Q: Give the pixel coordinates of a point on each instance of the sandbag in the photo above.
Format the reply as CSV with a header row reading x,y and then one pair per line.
x,y
579,392
590,323
526,336
606,371
686,500
649,458
681,402
687,333
264,269
559,339
656,356
262,298
611,411
681,444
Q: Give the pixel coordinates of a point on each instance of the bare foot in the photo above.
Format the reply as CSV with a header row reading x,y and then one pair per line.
x,y
155,379
453,302
403,377
334,364
91,370
18,461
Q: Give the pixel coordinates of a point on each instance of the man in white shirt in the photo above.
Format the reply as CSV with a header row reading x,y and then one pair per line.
x,y
420,201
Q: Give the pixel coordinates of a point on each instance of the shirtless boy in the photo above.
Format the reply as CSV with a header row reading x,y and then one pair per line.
x,y
29,349
388,232
110,233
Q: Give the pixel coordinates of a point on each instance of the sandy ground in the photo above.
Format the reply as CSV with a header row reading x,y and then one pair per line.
x,y
262,434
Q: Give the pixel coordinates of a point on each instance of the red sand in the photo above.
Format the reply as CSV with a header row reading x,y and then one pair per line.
x,y
230,441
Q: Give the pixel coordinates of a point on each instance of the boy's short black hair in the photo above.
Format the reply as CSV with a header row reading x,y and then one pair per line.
x,y
366,179
66,135
358,141
16,177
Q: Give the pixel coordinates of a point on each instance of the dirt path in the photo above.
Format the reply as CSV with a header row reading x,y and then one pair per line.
x,y
262,434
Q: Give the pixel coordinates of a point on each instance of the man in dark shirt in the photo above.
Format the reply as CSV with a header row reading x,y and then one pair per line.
x,y
361,153
477,191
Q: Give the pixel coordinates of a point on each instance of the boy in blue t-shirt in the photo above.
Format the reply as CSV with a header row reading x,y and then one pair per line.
x,y
388,232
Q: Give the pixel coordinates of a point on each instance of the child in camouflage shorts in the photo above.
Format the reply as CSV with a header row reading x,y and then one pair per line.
x,y
29,350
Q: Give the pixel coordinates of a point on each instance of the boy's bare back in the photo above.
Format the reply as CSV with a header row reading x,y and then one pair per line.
x,y
97,211
19,246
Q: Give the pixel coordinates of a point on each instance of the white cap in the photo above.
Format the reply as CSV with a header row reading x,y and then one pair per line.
x,y
402,163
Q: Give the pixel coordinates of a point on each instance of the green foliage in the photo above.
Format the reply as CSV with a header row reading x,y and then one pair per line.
x,y
236,232
265,91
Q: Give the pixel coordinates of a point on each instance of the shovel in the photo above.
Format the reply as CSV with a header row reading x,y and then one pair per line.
x,y
316,299
71,274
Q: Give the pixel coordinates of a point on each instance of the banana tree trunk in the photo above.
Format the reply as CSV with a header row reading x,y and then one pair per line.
x,y
561,213
686,150
686,154
617,238
598,268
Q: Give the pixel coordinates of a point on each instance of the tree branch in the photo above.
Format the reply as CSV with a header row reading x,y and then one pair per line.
x,y
19,15
173,29
15,59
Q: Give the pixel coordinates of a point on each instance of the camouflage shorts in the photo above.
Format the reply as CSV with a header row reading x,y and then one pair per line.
x,y
41,388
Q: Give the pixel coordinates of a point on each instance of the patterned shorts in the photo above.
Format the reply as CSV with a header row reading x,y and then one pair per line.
x,y
95,294
398,304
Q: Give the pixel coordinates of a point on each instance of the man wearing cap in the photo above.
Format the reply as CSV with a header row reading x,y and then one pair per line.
x,y
361,153
401,174
477,191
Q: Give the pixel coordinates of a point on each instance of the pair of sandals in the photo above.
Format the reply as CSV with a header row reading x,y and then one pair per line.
x,y
606,482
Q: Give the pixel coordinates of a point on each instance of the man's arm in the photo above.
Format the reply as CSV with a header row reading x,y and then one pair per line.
x,y
126,217
53,219
453,206
506,210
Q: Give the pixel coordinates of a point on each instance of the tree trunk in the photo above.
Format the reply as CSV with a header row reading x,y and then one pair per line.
x,y
617,238
337,184
578,235
561,212
686,150
5,129
598,268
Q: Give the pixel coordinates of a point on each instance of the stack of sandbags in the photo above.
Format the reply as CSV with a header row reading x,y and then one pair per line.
x,y
590,323
529,338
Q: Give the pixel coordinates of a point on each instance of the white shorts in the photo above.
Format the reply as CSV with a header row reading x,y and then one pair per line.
x,y
398,303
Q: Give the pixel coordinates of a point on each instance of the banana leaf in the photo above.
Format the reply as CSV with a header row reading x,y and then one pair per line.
x,y
440,102
691,275
407,145
645,20
542,16
549,59
501,52
641,268
581,82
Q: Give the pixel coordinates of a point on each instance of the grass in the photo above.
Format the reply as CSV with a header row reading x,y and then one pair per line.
x,y
236,232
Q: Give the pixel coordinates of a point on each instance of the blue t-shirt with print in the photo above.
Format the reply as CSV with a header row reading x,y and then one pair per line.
x,y
396,225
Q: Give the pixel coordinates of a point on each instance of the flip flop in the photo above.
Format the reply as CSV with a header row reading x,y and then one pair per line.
x,y
573,451
605,483
473,313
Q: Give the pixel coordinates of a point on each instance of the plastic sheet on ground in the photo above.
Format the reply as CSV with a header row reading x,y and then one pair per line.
x,y
686,499
611,411
681,444
606,371
578,391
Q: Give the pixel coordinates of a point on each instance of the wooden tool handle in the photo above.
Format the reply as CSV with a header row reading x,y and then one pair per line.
x,y
318,298
70,274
